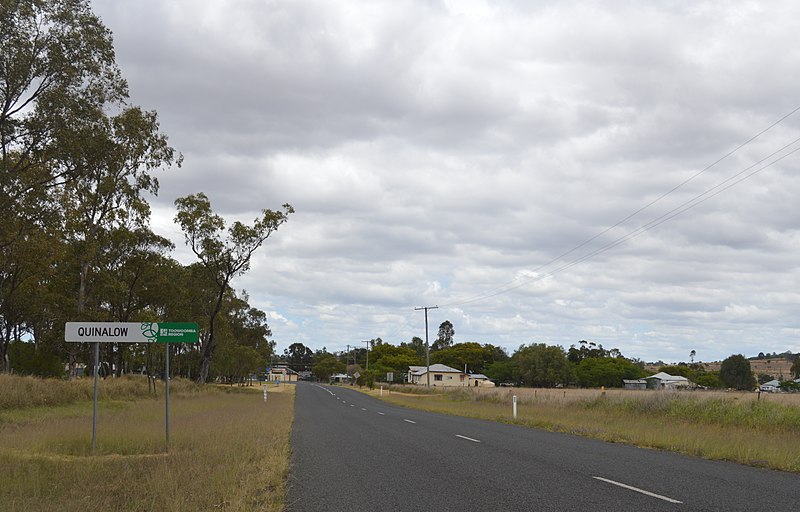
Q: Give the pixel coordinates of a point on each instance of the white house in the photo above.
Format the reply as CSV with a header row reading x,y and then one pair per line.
x,y
772,386
663,380
441,375
282,374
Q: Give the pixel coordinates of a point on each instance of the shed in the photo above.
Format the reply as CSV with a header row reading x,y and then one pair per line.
x,y
634,383
479,380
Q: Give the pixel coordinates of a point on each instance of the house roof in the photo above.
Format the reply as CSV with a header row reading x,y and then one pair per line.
x,y
667,377
478,376
440,368
281,369
774,383
634,381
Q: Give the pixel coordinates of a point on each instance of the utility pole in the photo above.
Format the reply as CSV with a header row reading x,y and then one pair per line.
x,y
367,342
347,359
427,345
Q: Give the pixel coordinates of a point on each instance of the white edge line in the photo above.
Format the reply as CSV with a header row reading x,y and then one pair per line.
x,y
468,438
409,421
632,488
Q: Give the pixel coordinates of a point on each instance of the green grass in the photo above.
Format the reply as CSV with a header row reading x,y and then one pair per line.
x,y
726,426
229,450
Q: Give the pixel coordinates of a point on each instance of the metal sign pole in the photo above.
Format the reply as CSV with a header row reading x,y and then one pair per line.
x,y
129,332
166,376
94,412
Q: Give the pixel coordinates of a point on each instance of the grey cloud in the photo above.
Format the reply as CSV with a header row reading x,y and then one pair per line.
x,y
435,151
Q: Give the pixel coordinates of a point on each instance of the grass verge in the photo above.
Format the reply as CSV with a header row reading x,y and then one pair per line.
x,y
229,451
726,426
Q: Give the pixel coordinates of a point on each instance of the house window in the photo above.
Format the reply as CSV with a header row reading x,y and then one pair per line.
x,y
437,377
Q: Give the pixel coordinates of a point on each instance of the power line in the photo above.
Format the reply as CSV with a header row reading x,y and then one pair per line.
x,y
506,287
685,206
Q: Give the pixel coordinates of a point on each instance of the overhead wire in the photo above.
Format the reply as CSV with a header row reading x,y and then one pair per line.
x,y
522,281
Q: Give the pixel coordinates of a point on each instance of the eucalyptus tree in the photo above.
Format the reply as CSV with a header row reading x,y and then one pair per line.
x,y
445,336
224,254
28,301
57,61
241,339
73,152
249,328
131,264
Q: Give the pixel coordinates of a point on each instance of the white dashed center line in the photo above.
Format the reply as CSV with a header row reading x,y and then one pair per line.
x,y
467,438
382,414
409,421
636,489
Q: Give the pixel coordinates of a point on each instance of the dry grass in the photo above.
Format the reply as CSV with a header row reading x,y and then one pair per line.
x,y
20,392
715,425
229,451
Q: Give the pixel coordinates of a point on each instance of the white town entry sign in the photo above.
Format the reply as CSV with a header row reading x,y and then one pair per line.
x,y
131,332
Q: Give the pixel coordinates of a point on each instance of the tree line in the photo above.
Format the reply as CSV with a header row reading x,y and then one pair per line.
x,y
586,364
77,163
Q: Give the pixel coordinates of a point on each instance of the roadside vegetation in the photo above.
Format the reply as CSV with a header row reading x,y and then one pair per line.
x,y
78,164
741,427
229,450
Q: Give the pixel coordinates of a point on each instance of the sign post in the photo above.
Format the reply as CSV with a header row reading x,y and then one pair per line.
x,y
166,392
130,332
94,408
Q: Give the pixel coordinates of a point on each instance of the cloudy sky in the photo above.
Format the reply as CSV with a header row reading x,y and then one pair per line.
x,y
466,154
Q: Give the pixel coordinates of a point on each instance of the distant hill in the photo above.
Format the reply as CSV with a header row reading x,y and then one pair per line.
x,y
771,366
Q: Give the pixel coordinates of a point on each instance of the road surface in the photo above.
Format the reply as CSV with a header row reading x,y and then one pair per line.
x,y
351,452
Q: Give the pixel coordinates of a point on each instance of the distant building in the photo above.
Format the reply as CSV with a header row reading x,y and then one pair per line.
x,y
772,386
663,380
282,374
634,383
340,378
440,375
479,380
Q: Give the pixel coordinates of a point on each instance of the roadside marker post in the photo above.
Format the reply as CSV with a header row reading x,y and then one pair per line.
x,y
265,393
514,401
130,332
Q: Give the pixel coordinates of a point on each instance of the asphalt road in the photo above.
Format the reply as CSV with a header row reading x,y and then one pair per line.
x,y
351,452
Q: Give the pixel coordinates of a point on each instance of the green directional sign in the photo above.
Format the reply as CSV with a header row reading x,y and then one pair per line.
x,y
177,332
